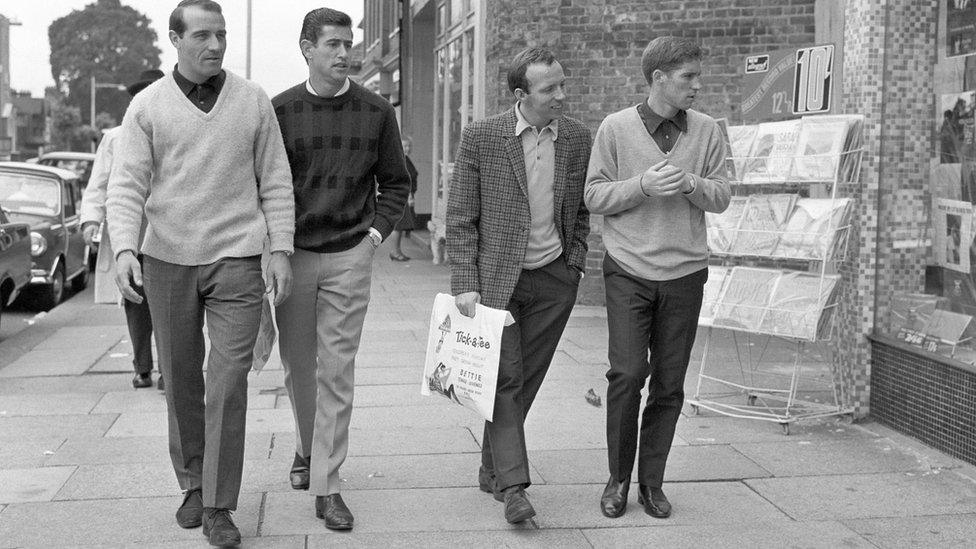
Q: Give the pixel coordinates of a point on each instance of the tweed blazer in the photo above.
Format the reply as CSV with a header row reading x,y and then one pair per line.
x,y
488,217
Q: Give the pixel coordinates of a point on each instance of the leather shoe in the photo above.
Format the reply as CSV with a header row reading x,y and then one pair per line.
x,y
488,483
517,506
141,381
613,503
654,501
220,529
331,508
160,384
299,473
190,513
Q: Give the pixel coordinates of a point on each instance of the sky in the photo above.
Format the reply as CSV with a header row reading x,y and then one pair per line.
x,y
276,63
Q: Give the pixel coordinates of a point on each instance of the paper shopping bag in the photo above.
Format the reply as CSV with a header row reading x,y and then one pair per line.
x,y
462,355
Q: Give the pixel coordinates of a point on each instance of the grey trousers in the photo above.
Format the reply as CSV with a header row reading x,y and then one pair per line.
x,y
206,417
319,326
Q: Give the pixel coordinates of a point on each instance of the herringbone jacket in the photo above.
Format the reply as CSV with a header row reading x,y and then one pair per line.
x,y
488,207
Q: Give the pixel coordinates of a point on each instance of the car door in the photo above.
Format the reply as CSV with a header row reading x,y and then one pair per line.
x,y
74,254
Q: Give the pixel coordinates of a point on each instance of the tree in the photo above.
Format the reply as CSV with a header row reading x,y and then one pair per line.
x,y
107,40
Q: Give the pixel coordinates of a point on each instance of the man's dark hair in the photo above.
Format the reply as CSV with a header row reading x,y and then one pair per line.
x,y
666,53
317,18
176,23
524,58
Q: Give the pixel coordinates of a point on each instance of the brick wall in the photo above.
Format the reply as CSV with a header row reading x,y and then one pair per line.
x,y
599,43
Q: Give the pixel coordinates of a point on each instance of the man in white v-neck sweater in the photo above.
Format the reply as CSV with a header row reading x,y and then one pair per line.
x,y
202,159
654,171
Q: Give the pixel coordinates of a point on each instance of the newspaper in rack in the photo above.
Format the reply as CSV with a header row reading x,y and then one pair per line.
x,y
820,147
740,143
745,298
796,306
771,157
712,291
815,228
762,224
722,227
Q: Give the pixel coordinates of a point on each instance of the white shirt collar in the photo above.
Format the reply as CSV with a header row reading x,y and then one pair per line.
x,y
342,90
521,124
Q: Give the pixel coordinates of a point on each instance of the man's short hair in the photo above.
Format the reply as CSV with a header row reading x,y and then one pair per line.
x,y
524,58
317,18
666,53
176,23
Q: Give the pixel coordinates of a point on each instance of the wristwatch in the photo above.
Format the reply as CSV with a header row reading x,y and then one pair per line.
x,y
374,239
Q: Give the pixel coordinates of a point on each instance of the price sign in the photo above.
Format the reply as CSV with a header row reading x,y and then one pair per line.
x,y
912,337
787,83
811,79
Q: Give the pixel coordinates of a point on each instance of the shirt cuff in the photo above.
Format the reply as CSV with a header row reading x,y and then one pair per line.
x,y
694,184
374,232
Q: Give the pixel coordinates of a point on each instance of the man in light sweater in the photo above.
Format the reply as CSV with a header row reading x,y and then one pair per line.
x,y
655,170
201,157
343,144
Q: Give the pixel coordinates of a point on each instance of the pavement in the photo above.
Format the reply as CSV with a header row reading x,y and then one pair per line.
x,y
84,461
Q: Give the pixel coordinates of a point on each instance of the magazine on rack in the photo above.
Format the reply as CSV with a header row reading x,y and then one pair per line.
x,y
721,227
763,222
745,298
815,228
740,142
797,304
713,290
771,157
821,145
952,231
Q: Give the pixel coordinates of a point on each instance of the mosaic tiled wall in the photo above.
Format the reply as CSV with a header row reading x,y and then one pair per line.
x,y
889,59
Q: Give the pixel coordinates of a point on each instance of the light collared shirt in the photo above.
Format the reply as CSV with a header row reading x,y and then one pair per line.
x,y
539,150
373,231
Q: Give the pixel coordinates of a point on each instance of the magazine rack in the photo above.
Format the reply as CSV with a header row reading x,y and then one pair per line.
x,y
775,253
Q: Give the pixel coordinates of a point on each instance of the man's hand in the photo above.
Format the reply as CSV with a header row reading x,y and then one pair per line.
x,y
279,277
662,180
466,303
128,272
88,230
410,200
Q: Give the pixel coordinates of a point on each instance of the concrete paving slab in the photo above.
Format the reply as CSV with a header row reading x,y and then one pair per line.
x,y
139,449
117,359
403,416
442,510
389,376
716,429
587,337
408,341
27,485
521,538
574,388
151,478
394,396
47,404
685,463
695,503
272,542
47,427
390,442
51,363
16,454
909,532
73,338
827,535
131,424
413,360
829,457
846,497
129,522
146,400
87,383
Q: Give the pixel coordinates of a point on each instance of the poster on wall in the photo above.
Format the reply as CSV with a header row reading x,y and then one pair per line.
x,y
787,83
960,27
956,127
952,228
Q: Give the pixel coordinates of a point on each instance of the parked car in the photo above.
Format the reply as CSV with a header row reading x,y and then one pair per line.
x,y
15,259
78,162
48,200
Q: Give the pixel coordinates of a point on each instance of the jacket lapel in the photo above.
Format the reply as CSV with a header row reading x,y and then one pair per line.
x,y
513,147
559,179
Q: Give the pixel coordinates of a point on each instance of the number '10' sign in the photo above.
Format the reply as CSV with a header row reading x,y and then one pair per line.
x,y
811,79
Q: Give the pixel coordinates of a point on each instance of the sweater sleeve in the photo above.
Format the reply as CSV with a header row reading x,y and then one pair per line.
x,y
463,215
128,184
712,192
604,193
93,201
274,180
392,179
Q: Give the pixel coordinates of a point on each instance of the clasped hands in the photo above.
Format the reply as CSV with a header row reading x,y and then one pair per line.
x,y
662,180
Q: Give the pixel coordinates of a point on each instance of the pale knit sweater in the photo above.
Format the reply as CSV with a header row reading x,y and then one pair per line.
x,y
213,185
655,238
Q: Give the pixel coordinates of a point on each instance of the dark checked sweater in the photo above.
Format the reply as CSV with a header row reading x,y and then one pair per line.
x,y
346,163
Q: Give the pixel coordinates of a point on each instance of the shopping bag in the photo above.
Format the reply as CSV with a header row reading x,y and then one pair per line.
x,y
462,355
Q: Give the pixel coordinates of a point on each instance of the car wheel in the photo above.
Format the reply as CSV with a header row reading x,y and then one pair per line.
x,y
49,296
80,281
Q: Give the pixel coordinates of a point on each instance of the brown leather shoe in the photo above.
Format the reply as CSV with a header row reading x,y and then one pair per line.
x,y
190,513
331,508
488,483
299,475
613,503
654,501
517,506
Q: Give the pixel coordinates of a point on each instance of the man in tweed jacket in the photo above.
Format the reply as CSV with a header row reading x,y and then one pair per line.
x,y
516,236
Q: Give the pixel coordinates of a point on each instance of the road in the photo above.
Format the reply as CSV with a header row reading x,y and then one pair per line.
x,y
20,315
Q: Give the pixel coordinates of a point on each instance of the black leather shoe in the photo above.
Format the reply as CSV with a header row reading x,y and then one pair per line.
x,y
488,483
190,514
331,508
613,503
517,506
654,501
141,381
299,473
220,529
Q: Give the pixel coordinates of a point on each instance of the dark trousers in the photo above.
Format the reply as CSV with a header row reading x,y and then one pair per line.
x,y
540,304
660,317
206,419
140,331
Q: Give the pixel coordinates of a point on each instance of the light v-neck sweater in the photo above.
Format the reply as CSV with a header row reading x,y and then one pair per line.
x,y
213,185
655,238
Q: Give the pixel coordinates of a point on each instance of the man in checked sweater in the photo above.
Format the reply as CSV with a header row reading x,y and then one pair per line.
x,y
201,158
343,145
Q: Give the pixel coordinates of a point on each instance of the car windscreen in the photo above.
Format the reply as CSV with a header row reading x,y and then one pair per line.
x,y
28,194
80,167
